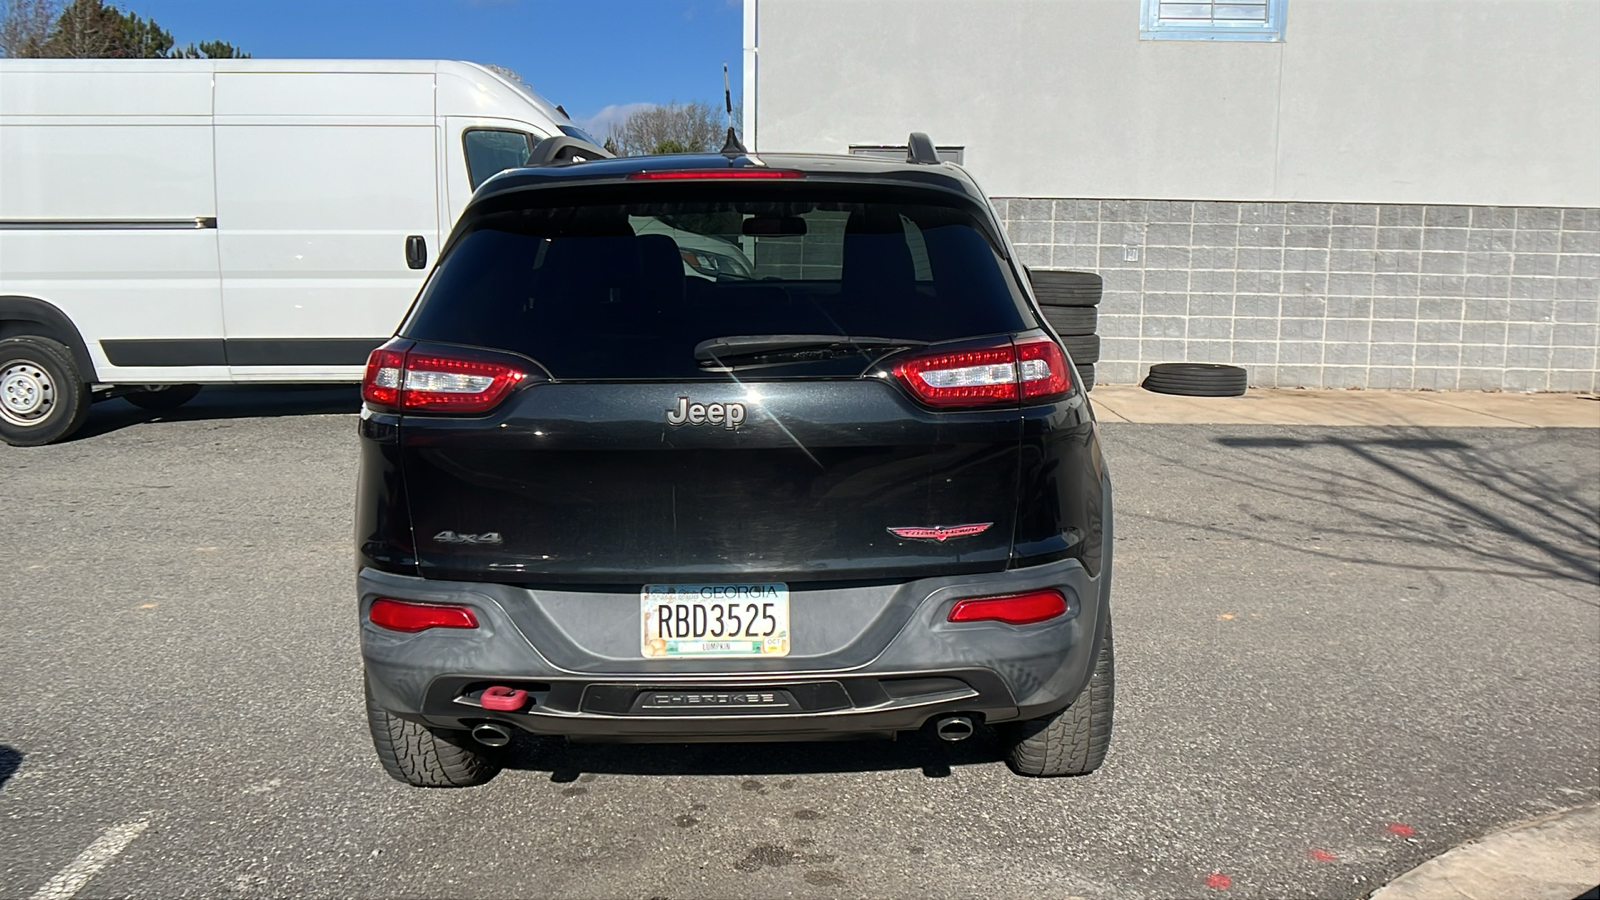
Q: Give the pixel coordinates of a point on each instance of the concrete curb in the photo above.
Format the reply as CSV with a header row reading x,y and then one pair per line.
x,y
1556,857
1427,409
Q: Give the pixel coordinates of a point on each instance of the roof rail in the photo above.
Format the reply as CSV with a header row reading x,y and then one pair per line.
x,y
562,150
919,149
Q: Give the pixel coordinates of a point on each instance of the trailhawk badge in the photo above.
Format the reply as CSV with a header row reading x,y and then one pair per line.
x,y
728,415
940,533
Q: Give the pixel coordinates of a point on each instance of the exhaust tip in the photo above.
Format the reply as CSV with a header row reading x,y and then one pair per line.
x,y
954,728
491,735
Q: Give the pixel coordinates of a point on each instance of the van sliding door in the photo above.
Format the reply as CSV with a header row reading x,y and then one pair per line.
x,y
325,181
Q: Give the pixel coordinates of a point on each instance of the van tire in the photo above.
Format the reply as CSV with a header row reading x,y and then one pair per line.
x,y
1073,741
43,397
164,399
426,757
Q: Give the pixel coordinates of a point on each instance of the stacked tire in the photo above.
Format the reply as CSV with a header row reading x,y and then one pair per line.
x,y
1070,302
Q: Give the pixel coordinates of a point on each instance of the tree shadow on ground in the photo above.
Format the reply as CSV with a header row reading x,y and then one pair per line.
x,y
229,401
10,762
1525,507
566,761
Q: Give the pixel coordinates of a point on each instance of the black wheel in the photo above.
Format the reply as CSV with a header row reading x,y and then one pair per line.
x,y
1084,348
165,398
1086,377
1070,320
1197,380
423,756
43,397
1074,740
1055,288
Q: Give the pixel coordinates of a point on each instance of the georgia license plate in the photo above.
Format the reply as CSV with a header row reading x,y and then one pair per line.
x,y
683,621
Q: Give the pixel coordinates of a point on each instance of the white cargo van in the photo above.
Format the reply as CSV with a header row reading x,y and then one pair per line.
x,y
171,223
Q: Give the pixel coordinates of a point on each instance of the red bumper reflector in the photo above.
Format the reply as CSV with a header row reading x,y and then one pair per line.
x,y
403,615
1016,609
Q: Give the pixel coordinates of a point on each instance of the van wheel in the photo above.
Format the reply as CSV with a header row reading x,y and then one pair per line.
x,y
1074,740
43,397
163,399
423,756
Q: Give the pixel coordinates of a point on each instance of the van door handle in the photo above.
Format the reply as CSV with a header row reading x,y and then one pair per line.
x,y
416,251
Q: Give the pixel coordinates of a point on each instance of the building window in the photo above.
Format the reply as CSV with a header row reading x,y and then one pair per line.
x,y
1218,20
898,152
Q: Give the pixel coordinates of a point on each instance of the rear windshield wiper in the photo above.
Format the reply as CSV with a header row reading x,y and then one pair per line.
x,y
759,349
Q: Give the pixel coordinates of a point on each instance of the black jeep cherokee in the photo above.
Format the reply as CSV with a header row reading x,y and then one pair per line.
x,y
730,447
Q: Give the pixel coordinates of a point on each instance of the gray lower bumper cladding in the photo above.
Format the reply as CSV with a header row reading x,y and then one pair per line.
x,y
865,660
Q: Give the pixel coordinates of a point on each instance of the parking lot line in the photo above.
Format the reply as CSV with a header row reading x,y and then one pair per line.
x,y
69,881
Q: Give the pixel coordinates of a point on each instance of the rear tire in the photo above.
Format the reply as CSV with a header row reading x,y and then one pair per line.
x,y
164,399
43,397
423,756
1073,741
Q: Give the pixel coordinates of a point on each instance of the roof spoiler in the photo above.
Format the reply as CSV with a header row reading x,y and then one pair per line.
x,y
919,150
562,150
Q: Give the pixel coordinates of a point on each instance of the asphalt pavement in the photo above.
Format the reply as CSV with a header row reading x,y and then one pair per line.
x,y
1341,651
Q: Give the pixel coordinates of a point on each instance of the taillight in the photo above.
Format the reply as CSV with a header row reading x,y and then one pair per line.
x,y
1041,369
963,377
455,384
381,387
404,615
1032,369
1016,609
436,380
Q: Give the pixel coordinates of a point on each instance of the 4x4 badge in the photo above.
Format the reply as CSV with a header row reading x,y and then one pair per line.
x,y
940,533
450,537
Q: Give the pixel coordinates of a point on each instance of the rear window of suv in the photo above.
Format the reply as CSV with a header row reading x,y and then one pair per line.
x,y
626,290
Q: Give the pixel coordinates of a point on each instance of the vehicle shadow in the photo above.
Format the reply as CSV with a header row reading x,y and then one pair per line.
x,y
1516,508
228,401
10,762
567,761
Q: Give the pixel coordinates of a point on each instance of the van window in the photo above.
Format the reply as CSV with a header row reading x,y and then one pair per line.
x,y
492,150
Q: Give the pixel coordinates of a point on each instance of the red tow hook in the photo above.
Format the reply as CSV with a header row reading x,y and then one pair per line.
x,y
503,699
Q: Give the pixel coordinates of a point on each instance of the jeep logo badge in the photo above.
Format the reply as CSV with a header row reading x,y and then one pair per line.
x,y
728,415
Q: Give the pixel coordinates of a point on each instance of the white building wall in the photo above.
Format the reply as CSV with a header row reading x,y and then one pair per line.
x,y
1470,102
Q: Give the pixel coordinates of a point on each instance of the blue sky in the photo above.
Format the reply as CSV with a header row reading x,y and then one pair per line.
x,y
586,55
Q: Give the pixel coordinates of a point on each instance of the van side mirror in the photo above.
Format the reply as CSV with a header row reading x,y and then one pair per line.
x,y
416,251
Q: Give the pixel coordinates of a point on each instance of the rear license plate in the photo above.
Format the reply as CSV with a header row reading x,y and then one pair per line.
x,y
688,621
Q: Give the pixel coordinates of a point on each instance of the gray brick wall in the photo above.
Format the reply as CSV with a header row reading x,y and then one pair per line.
x,y
1334,295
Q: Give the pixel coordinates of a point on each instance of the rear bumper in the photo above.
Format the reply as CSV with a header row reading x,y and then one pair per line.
x,y
866,660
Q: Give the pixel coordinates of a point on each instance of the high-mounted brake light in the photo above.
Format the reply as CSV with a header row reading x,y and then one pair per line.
x,y
1032,369
404,615
1016,609
418,380
719,174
